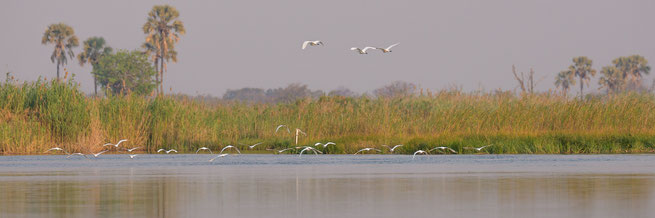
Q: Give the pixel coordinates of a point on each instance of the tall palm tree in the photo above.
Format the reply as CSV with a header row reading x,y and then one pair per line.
x,y
151,49
581,68
611,79
94,48
64,39
163,29
565,80
632,68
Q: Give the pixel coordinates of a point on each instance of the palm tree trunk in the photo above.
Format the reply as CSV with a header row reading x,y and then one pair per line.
x,y
95,85
157,75
57,71
161,75
581,87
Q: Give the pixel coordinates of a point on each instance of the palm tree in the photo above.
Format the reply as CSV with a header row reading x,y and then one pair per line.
x,y
565,80
581,68
151,49
632,67
163,30
94,48
611,79
64,39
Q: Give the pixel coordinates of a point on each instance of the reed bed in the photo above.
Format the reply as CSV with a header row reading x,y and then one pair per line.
x,y
42,114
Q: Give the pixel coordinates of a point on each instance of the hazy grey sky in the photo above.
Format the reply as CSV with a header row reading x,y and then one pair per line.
x,y
241,43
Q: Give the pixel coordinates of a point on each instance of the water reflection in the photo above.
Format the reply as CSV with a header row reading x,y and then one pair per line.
x,y
322,191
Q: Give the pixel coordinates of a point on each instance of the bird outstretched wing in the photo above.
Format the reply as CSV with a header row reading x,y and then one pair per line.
x,y
304,44
367,48
391,46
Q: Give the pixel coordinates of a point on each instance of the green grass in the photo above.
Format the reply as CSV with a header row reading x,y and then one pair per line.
x,y
38,115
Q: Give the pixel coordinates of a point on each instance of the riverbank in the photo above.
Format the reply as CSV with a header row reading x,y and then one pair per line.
x,y
43,114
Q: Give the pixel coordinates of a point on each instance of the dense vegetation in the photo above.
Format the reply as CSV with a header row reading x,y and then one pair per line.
x,y
38,115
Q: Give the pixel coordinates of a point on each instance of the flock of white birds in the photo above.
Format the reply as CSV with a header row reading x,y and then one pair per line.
x,y
298,149
358,50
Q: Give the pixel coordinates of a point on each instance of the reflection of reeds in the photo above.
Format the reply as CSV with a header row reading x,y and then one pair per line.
x,y
39,115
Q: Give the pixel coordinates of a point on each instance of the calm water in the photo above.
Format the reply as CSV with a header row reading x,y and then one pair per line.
x,y
328,186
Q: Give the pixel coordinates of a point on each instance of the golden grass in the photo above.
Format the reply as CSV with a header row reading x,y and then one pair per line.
x,y
36,116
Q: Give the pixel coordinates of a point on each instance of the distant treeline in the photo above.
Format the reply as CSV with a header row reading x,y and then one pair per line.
x,y
296,91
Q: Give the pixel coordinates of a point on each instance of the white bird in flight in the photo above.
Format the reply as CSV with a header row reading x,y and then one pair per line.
x,y
164,150
204,148
220,155
324,145
133,155
311,43
78,154
230,146
388,49
392,149
286,149
368,149
477,149
307,148
132,149
280,126
99,153
55,149
253,146
419,152
361,51
117,144
444,148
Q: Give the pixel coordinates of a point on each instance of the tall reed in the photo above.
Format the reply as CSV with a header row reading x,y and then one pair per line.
x,y
35,116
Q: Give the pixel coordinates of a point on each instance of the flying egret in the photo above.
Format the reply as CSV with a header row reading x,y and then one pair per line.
x,y
324,145
204,148
361,51
280,126
115,145
119,142
311,43
392,149
444,148
220,155
307,148
388,49
419,152
368,149
253,146
477,149
164,150
55,149
99,153
132,149
230,146
78,154
283,150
